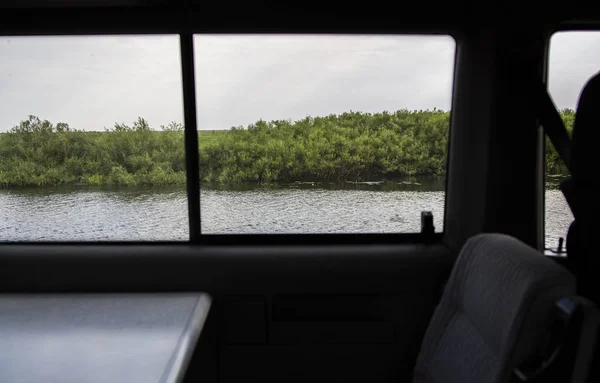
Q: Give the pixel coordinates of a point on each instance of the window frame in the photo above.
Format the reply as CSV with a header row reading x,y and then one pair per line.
x,y
170,25
565,27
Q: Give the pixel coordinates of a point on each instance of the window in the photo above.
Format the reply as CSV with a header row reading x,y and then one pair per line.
x,y
322,134
91,140
574,58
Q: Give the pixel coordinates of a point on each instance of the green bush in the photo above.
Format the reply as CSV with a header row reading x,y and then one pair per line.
x,y
37,153
351,146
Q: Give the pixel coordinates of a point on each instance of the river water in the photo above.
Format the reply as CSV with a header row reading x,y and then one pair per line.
x,y
160,214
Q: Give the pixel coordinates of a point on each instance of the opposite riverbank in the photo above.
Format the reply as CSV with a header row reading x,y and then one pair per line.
x,y
349,147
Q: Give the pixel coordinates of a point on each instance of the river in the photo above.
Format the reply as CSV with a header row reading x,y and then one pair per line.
x,y
160,214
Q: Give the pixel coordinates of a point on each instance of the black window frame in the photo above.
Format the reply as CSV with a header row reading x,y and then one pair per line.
x,y
565,27
186,24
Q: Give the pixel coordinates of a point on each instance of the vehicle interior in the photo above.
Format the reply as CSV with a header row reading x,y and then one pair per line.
x,y
479,300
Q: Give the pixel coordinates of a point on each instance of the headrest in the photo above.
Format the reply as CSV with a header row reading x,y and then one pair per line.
x,y
586,135
498,278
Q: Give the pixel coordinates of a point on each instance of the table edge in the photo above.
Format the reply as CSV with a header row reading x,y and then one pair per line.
x,y
176,369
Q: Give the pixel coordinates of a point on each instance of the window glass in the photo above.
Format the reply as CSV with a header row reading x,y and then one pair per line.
x,y
322,134
574,58
91,141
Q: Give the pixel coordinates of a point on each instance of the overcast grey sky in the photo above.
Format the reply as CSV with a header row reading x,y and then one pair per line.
x,y
574,58
93,82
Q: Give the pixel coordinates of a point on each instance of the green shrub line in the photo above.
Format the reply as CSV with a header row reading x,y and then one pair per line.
x,y
351,146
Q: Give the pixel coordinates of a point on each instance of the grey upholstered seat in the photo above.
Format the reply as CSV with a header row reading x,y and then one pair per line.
x,y
494,312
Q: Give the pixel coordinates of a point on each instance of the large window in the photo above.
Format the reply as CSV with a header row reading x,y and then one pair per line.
x,y
574,58
91,141
297,134
322,134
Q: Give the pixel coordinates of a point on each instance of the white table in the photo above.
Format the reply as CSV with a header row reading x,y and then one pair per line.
x,y
108,338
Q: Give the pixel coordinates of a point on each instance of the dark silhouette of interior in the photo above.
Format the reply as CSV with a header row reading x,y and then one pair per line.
x,y
343,308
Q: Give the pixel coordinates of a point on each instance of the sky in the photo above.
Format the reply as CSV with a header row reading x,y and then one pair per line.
x,y
91,82
574,57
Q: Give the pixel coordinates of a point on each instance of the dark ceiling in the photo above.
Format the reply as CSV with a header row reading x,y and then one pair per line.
x,y
374,16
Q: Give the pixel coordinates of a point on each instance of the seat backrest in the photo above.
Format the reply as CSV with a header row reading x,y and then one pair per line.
x,y
583,198
494,313
585,186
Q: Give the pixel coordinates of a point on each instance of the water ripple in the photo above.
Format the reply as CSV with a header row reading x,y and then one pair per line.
x,y
152,215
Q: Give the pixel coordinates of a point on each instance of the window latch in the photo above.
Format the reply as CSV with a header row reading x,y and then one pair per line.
x,y
560,249
427,228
